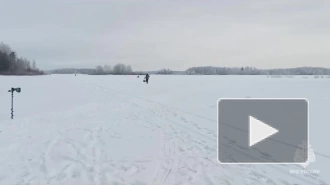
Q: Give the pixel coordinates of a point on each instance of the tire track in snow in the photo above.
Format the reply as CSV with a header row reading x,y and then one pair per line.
x,y
164,168
69,160
196,132
193,114
45,157
97,154
187,128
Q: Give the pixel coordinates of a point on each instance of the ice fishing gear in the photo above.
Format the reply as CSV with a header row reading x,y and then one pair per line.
x,y
12,90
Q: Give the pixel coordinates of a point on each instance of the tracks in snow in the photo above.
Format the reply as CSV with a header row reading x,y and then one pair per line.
x,y
166,112
167,163
82,146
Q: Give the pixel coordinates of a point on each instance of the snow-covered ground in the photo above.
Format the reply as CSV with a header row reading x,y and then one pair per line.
x,y
117,130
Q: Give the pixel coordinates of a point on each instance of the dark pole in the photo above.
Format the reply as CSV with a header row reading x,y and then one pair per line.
x,y
18,89
12,104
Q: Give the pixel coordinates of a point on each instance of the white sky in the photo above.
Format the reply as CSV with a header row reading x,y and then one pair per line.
x,y
176,34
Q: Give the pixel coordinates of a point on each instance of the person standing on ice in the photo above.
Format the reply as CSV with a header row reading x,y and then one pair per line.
x,y
146,79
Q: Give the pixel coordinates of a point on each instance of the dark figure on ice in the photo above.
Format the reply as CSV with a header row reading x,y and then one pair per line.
x,y
146,79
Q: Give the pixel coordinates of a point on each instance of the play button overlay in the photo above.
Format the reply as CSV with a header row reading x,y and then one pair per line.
x,y
262,131
259,131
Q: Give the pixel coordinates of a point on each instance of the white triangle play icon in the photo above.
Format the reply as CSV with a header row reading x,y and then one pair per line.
x,y
259,131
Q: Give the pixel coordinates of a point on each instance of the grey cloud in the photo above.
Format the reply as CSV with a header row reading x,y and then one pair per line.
x,y
176,34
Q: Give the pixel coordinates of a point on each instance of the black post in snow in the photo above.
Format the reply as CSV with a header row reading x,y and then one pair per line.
x,y
12,99
12,104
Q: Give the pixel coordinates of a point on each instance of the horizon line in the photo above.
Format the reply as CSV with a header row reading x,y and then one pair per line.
x,y
196,67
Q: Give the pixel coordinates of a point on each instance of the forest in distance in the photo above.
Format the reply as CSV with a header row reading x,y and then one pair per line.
x,y
11,64
121,69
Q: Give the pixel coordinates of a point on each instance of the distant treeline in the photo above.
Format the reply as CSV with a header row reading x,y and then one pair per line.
x,y
118,69
10,64
72,71
121,69
209,70
165,72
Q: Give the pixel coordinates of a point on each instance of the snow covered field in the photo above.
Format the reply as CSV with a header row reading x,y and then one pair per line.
x,y
90,130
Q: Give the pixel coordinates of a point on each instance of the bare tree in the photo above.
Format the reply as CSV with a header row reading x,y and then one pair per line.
x,y
5,48
107,68
34,65
165,71
99,70
119,69
12,55
129,69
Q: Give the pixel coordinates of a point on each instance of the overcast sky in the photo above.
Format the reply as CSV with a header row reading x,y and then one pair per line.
x,y
176,34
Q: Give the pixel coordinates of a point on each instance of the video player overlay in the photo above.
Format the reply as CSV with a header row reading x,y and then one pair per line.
x,y
267,131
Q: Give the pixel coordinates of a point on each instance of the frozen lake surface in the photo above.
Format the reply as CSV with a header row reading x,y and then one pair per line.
x,y
117,130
